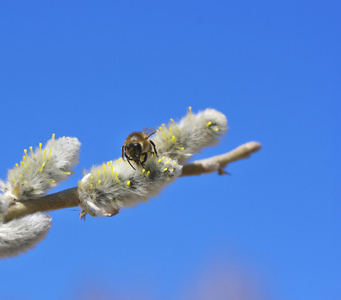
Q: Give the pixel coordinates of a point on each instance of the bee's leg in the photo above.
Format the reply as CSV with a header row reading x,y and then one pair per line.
x,y
144,159
128,159
138,163
123,152
153,146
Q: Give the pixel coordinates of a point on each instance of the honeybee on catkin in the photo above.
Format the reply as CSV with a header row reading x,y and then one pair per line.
x,y
138,145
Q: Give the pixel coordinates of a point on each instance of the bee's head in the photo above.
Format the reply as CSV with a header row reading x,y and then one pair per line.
x,y
133,150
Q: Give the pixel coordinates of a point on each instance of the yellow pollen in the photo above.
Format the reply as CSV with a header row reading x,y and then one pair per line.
x,y
216,130
98,172
208,124
91,185
63,136
119,160
14,180
66,173
173,139
128,183
40,144
49,153
165,169
25,182
182,148
31,149
174,163
118,181
45,153
53,135
99,181
22,163
17,166
25,152
190,109
53,181
143,170
167,162
92,177
20,176
42,167
148,173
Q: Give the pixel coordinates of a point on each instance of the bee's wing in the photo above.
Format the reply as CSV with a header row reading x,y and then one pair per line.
x,y
148,131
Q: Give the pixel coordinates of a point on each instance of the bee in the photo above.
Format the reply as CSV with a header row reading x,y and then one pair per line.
x,y
138,145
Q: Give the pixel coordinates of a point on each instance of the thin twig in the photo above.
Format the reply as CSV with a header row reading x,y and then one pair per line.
x,y
219,162
69,198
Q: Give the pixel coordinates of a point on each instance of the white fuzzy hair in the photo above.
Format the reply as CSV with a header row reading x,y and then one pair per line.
x,y
191,134
42,169
111,186
19,235
4,204
39,171
114,185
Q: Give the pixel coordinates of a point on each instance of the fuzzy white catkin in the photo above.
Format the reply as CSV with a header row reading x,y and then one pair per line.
x,y
191,134
22,234
114,185
43,168
40,170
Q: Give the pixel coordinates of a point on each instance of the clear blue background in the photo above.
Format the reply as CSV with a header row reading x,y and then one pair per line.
x,y
98,70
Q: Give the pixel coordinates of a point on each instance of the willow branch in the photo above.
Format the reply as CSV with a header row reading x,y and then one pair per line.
x,y
63,199
69,198
219,162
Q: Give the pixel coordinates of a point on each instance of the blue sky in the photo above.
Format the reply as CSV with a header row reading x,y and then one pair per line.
x,y
98,70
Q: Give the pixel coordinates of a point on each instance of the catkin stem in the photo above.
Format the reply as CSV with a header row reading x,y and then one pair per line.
x,y
69,198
